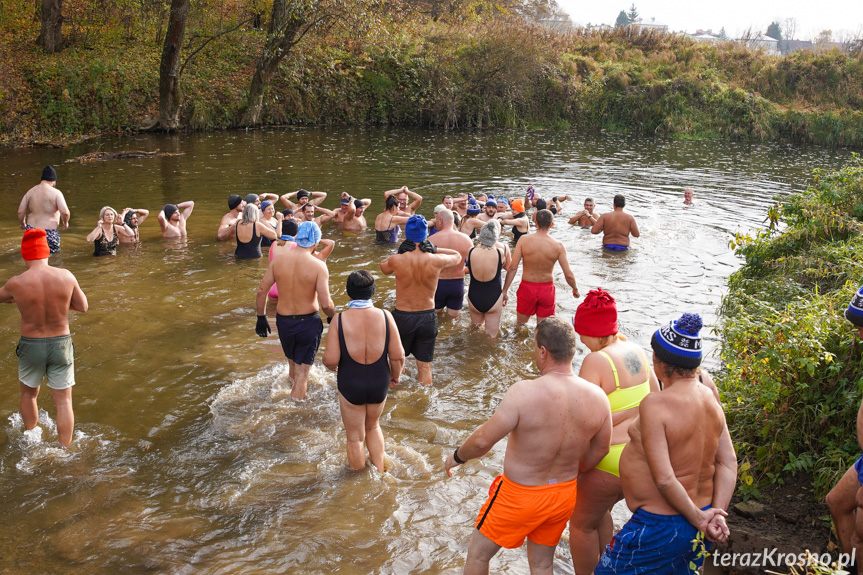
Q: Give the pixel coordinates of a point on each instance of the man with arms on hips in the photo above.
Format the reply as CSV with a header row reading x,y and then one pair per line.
x,y
450,285
846,498
402,195
586,217
616,226
417,266
540,251
559,425
305,279
679,468
47,209
44,296
230,220
172,219
303,197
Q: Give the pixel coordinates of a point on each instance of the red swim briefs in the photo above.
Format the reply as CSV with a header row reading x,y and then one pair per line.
x,y
513,512
535,299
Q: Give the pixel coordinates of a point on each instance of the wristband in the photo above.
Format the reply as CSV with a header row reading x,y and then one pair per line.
x,y
457,458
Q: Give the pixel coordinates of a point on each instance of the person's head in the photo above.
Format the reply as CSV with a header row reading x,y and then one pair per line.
x,y
596,318
557,338
308,210
235,202
343,205
49,175
489,233
502,204
619,201
131,219
308,235
854,313
447,201
677,346
417,229
473,209
490,208
540,204
253,199
518,206
392,203
481,199
172,212
34,245
268,209
251,214
461,201
302,197
443,218
360,207
403,200
108,215
544,219
688,193
360,285
289,228
589,205
288,214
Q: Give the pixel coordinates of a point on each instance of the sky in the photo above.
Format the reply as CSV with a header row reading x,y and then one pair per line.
x,y
735,15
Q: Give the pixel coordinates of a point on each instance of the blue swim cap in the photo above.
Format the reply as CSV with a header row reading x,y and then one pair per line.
x,y
265,204
417,229
308,235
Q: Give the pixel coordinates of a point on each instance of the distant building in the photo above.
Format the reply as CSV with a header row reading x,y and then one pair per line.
x,y
709,37
788,46
647,26
769,44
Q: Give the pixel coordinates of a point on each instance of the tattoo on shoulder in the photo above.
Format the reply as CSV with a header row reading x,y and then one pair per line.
x,y
632,361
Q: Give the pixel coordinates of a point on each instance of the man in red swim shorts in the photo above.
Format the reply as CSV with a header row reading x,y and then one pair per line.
x,y
540,252
559,425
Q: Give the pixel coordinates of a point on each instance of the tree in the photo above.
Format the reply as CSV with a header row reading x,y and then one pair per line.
x,y
822,41
633,14
50,36
774,31
170,95
789,28
622,20
723,35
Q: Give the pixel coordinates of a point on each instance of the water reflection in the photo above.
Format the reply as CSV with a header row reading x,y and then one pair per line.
x,y
189,455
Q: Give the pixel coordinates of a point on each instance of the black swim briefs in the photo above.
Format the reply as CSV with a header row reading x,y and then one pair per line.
x,y
418,332
449,293
300,336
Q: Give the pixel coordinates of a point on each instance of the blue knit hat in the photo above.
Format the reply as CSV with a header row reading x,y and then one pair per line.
x,y
308,235
679,342
417,229
473,209
854,313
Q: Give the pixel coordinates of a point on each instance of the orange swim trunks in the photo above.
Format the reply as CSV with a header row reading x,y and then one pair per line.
x,y
513,512
535,299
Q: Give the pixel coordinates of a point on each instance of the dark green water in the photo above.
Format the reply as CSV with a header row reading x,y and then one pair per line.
x,y
190,457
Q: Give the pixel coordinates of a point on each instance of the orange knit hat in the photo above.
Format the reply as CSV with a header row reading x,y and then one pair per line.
x,y
518,205
34,245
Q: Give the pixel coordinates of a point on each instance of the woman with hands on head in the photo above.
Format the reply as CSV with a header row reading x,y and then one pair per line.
x,y
106,235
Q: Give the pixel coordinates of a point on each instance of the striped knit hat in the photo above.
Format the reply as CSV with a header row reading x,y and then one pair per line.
x,y
854,313
679,342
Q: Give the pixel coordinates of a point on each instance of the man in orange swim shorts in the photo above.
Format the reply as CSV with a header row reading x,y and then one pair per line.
x,y
558,425
540,252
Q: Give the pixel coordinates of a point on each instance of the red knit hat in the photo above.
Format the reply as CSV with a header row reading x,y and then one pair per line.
x,y
597,315
34,245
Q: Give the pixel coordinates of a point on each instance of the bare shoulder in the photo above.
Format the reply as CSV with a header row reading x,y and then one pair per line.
x,y
592,391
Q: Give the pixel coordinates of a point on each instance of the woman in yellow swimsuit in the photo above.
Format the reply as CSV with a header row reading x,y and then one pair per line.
x,y
622,370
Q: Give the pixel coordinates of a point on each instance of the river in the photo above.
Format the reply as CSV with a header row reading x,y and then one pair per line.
x,y
190,457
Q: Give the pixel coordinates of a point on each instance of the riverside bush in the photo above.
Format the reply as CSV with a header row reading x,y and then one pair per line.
x,y
793,367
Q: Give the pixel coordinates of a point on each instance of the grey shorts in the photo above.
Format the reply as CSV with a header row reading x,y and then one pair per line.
x,y
51,356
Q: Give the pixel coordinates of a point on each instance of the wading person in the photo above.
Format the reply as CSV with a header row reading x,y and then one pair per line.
x,y
44,207
107,233
622,371
519,222
450,286
616,226
305,279
364,348
485,292
402,194
44,295
586,217
846,498
559,426
250,231
387,222
540,251
133,218
173,218
688,194
417,266
229,221
679,468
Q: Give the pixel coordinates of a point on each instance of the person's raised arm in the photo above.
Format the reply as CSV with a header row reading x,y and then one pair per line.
x,y
418,199
163,223
187,208
97,231
567,271
633,228
323,288
511,270
597,225
286,200
124,230
395,352
327,214
399,220
326,250
332,350
268,196
226,230
318,198
142,215
352,210
22,211
504,420
389,193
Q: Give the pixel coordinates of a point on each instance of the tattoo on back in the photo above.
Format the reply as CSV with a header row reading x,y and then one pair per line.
x,y
632,361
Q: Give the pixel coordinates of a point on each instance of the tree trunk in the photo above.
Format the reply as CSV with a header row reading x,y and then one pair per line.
x,y
170,94
284,33
50,36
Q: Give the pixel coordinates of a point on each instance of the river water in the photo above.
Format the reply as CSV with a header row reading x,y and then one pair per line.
x,y
190,457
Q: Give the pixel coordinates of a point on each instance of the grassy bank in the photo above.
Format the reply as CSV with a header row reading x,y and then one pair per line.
x,y
794,367
492,73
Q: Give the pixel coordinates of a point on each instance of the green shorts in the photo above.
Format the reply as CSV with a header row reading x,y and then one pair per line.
x,y
51,356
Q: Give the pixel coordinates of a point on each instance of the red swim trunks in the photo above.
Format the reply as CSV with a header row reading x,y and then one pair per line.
x,y
513,512
535,299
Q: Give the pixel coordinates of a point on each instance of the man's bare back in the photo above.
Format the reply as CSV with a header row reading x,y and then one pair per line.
x,y
540,252
46,206
301,275
44,295
457,241
616,227
417,274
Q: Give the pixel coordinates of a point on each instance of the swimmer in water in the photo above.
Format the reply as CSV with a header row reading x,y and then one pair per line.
x,y
303,197
106,235
133,217
616,226
364,349
450,285
402,195
44,207
172,219
586,217
688,194
485,293
387,222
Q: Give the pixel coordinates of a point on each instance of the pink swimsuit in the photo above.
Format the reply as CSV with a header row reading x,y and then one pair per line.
x,y
274,291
